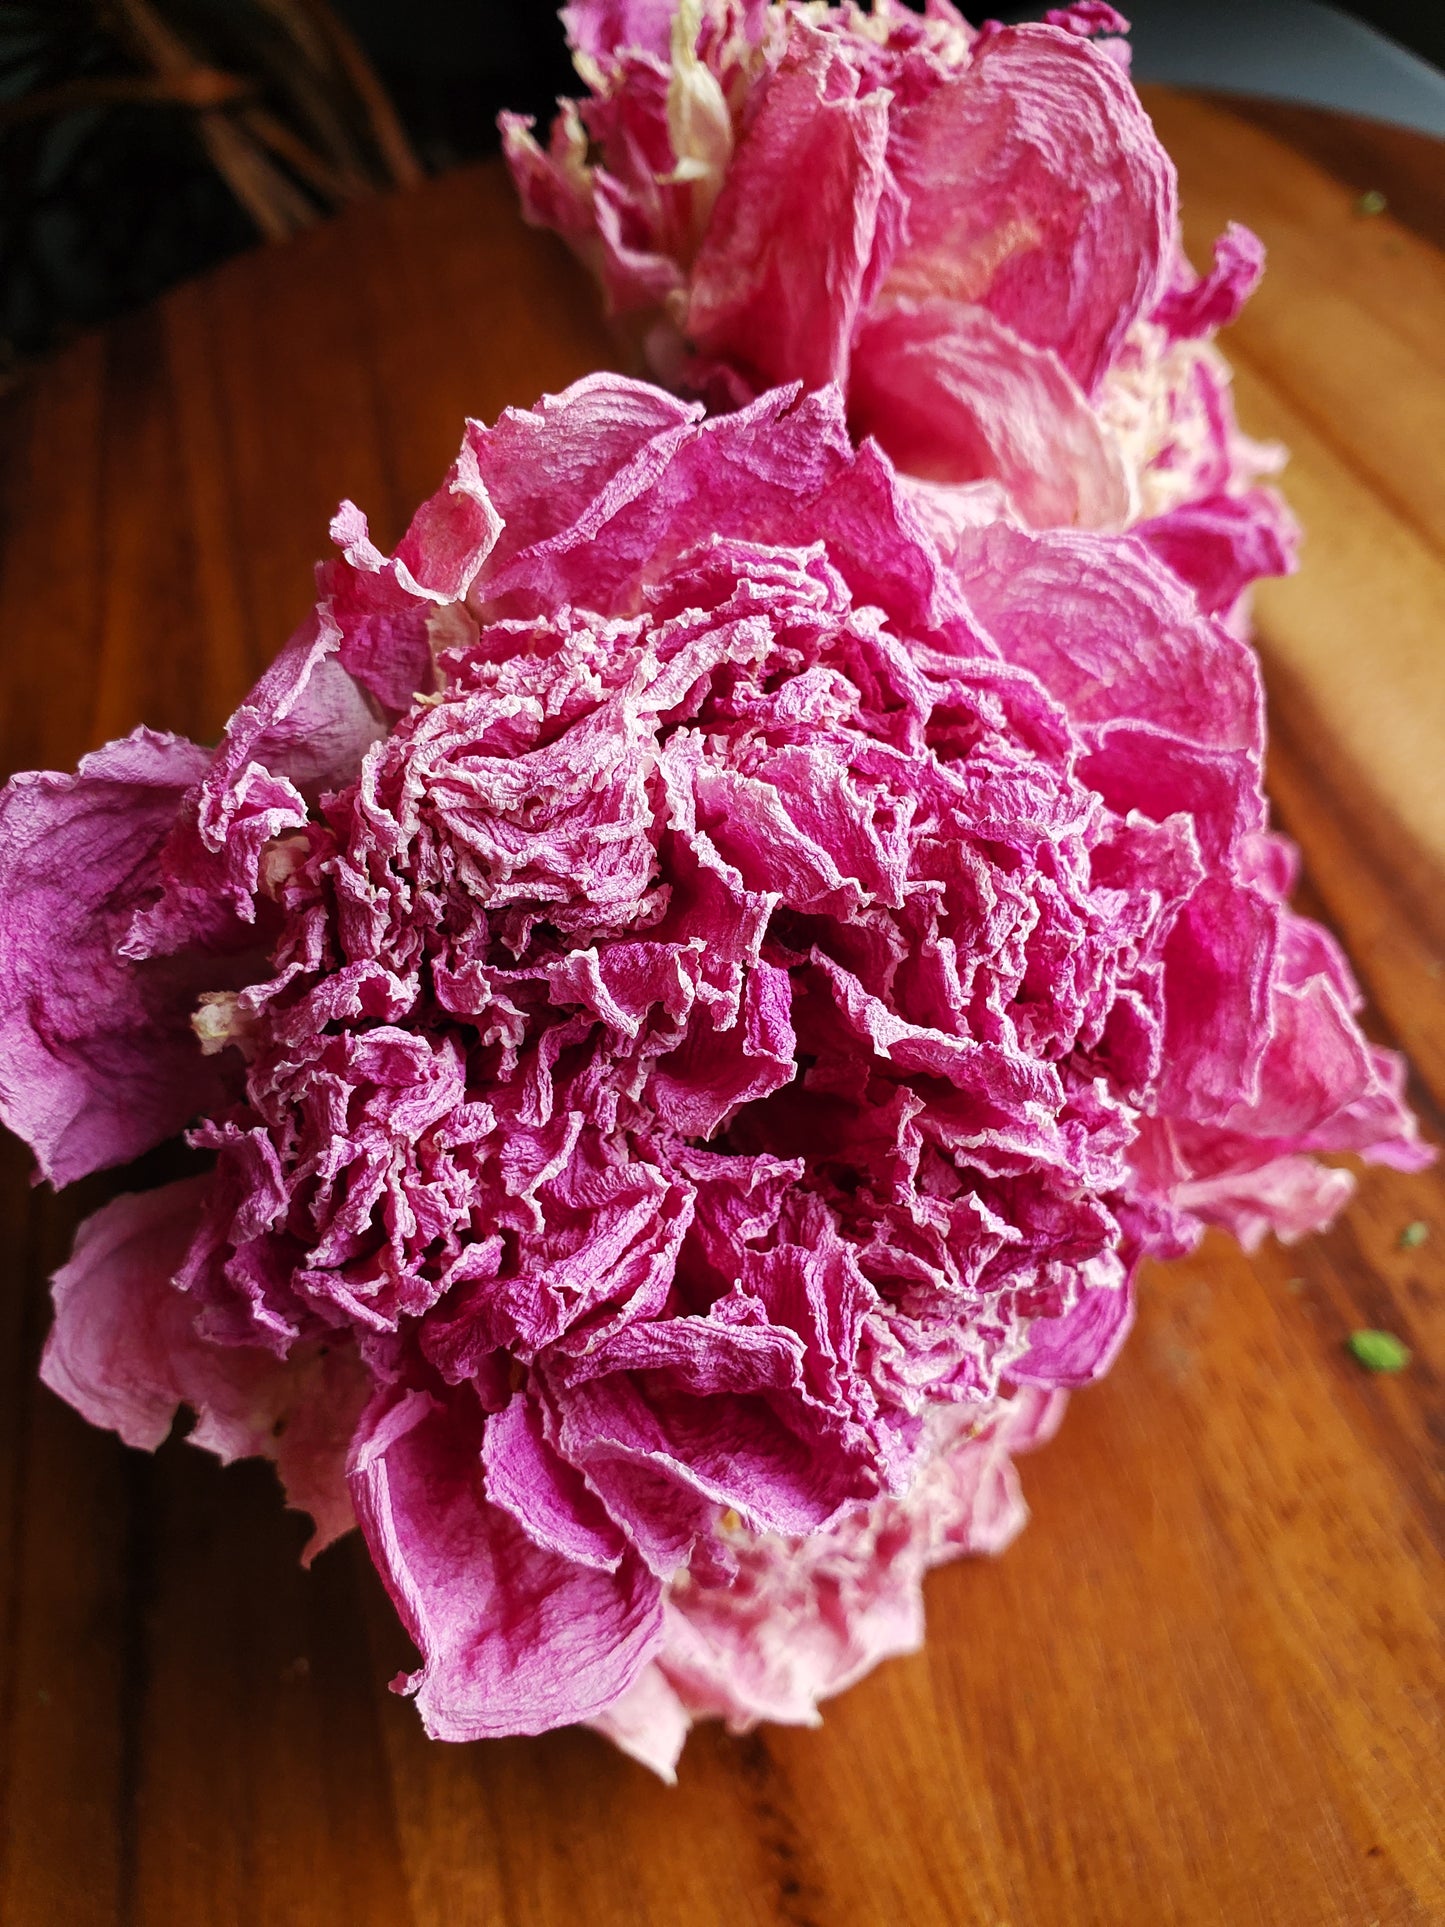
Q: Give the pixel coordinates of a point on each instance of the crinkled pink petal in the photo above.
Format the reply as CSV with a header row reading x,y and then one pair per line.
x,y
1036,189
954,395
562,469
1079,1347
649,1722
1111,635
1199,304
97,1058
1220,544
546,1495
781,471
1087,17
602,28
514,1638
554,183
780,279
1321,1087
1219,966
126,1353
633,276
804,1619
1292,1197
718,1413
305,726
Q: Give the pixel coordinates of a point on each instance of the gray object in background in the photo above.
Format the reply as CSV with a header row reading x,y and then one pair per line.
x,y
1286,50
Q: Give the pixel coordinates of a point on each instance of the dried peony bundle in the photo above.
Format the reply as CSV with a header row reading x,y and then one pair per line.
x,y
698,999
973,231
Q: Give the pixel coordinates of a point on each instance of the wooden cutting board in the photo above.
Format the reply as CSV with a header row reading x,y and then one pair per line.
x,y
1205,1686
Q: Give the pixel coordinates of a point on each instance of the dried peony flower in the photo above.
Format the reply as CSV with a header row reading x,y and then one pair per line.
x,y
972,230
698,1001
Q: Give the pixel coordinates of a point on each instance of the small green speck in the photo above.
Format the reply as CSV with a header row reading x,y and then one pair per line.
x,y
1414,1235
1379,1351
1296,1285
1372,201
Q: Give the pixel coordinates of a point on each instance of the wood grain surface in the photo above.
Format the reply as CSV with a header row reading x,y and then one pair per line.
x,y
1205,1686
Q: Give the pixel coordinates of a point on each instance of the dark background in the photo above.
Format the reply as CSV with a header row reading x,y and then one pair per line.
x,y
101,209
1418,24
453,65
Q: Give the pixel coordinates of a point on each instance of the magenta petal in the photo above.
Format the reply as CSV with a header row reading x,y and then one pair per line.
x,y
559,472
1081,1346
1037,188
1289,1196
513,1638
1086,17
804,1618
123,1338
780,279
1197,306
698,1086
318,707
649,1722
710,1412
97,1058
304,728
1219,961
602,28
954,395
1221,543
548,1498
551,184
1112,635
126,1353
447,541
1320,1087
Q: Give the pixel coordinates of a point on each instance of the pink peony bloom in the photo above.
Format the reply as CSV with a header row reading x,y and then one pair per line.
x,y
974,232
697,999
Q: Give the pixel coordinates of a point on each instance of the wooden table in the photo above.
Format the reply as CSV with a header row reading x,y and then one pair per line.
x,y
1205,1685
